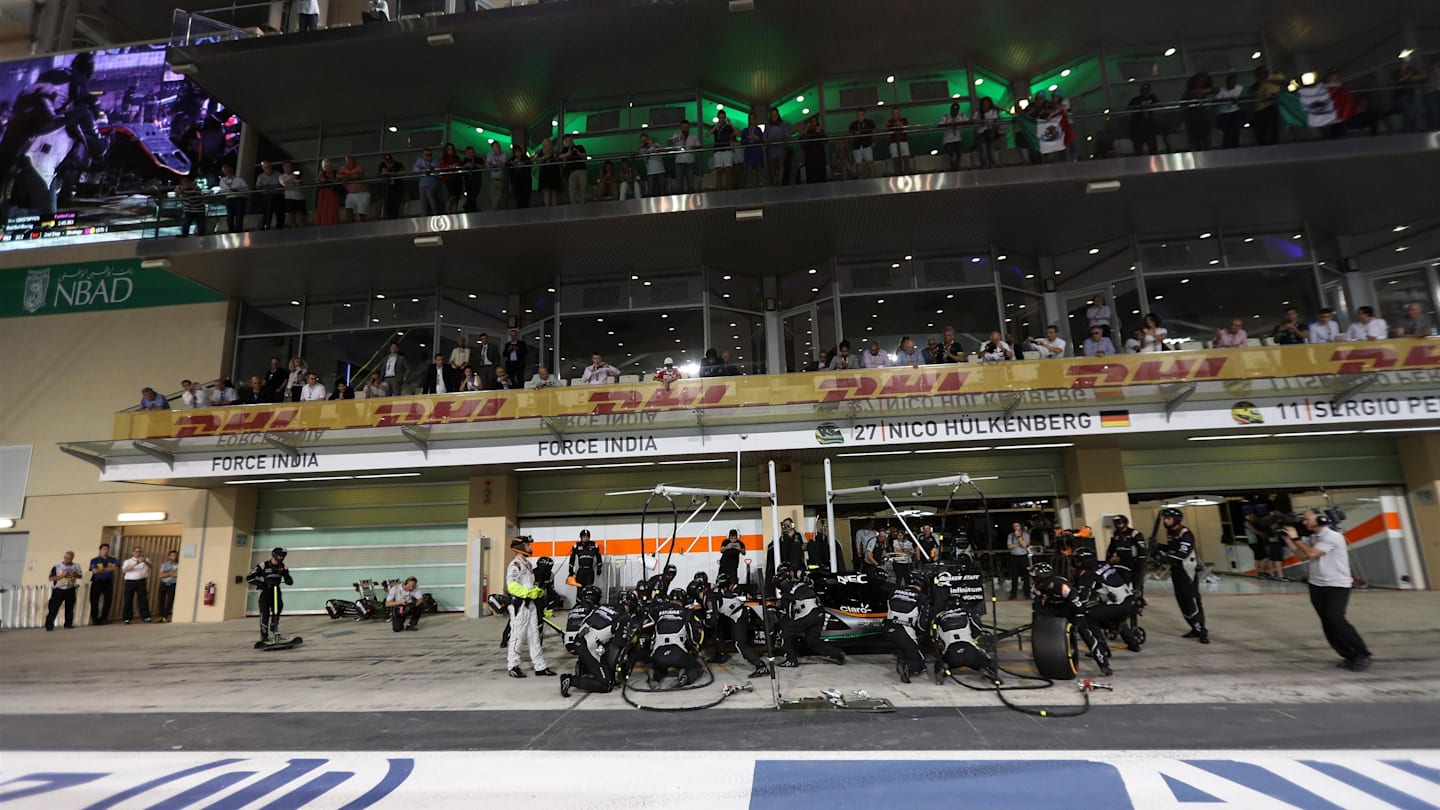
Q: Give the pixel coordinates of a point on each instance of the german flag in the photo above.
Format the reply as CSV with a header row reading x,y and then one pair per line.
x,y
1114,419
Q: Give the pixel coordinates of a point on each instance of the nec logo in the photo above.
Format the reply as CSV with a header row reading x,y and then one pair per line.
x,y
1379,358
692,395
1089,375
896,384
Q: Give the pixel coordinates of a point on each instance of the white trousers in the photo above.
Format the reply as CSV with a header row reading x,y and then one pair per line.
x,y
524,624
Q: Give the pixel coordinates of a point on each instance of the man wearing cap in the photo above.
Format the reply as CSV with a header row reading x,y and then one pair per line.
x,y
520,584
668,374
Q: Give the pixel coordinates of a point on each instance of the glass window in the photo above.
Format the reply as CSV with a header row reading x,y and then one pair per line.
x,y
351,356
264,319
634,342
742,335
1168,254
1264,248
344,314
891,317
399,308
1024,317
1395,292
805,285
955,271
1194,306
737,290
474,311
252,356
1019,271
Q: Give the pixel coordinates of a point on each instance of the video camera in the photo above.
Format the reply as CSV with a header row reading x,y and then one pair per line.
x,y
1275,521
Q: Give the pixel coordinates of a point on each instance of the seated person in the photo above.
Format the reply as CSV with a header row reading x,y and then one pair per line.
x,y
405,606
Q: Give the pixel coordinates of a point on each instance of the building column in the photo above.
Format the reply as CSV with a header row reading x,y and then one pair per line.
x,y
217,557
789,497
1420,461
491,526
1095,482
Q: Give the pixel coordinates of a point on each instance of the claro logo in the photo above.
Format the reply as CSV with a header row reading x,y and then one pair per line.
x,y
1089,375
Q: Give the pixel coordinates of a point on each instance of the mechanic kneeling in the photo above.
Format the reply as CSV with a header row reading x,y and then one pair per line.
x,y
1057,597
801,617
956,632
405,606
725,610
587,599
598,645
904,619
1109,593
676,642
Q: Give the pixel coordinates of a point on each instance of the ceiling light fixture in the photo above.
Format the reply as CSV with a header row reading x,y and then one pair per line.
x,y
1229,437
1169,51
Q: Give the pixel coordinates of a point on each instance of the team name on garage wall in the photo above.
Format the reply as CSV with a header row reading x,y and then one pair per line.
x,y
606,445
249,462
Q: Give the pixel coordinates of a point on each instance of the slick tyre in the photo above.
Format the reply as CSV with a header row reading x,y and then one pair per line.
x,y
1052,640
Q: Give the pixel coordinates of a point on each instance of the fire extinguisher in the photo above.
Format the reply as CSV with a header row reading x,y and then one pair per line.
x,y
209,593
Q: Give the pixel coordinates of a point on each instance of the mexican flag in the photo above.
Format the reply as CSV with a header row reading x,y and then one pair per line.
x,y
1316,106
1048,135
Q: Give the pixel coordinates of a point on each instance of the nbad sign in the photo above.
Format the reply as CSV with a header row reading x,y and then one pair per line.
x,y
90,286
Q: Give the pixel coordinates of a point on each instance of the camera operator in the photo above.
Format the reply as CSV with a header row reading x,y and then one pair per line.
x,y
1330,582
404,603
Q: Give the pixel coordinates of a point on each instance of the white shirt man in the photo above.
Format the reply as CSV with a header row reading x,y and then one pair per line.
x,y
996,350
1050,346
687,140
312,390
233,185
195,395
136,567
460,356
954,126
599,372
1367,326
874,358
1099,313
542,379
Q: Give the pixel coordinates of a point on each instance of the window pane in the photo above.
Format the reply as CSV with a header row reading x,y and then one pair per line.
x,y
1264,248
742,335
1194,306
473,311
1166,254
402,309
738,290
1024,317
351,356
261,319
921,315
1395,292
805,285
253,356
1017,270
345,314
634,342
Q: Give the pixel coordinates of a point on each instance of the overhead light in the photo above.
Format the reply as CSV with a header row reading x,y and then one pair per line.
x,y
429,241
257,481
1405,53
294,303
391,475
1033,446
543,469
624,464
155,264
189,69
805,111
7,523
1205,235
874,453
1002,257
393,129
908,258
895,266
439,40
1307,78
1399,430
554,122
1214,261
697,461
1399,228
1169,51
812,271
745,214
1302,434
1255,55
1229,437
1093,251
1054,87
139,517
1102,186
1065,74
890,79
979,82
324,478
1402,248
953,449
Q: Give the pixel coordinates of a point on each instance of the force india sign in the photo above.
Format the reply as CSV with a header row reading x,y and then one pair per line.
x,y
1060,379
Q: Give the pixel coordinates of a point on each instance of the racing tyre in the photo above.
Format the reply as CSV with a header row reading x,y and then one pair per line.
x,y
1052,640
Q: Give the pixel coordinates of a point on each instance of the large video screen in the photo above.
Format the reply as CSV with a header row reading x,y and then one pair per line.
x,y
91,141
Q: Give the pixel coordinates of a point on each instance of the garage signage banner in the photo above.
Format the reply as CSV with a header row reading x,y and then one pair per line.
x,y
90,286
958,388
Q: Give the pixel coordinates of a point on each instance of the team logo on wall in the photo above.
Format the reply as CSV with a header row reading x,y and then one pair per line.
x,y
37,284
1245,413
829,433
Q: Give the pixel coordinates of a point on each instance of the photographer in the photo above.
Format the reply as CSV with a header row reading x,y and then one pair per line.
x,y
1330,582
404,603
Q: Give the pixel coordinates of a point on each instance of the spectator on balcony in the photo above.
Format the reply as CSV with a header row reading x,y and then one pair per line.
x,y
503,381
1409,83
1135,341
629,183
1143,126
1414,322
342,391
472,174
275,379
1098,344
1324,328
552,173
440,378
1199,90
1366,326
224,393
1098,314
194,395
932,347
990,139
313,390
1265,118
710,365
996,350
1231,337
393,370
295,380
392,172
873,357
813,143
655,179
952,125
329,195
152,400
948,350
687,142
460,355
272,196
727,368
607,184
375,387
469,380
357,194
723,134
668,373
521,174
752,138
777,148
295,208
862,144
1290,331
236,191
899,128
576,175
192,204
599,372
543,378
1152,336
908,354
376,11
495,163
486,360
1227,112
1051,346
432,189
452,174
307,13
843,360
256,393
514,355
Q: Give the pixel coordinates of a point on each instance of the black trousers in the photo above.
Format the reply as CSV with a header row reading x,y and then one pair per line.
x,y
274,211
235,214
1230,126
271,605
58,597
1019,573
1106,616
964,655
101,592
136,590
401,615
596,673
195,218
907,646
1330,604
1187,596
1266,124
682,661
740,630
167,599
807,628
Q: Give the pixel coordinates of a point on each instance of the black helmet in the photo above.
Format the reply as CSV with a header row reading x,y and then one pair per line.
x,y
1042,570
965,564
700,577
670,571
588,595
584,535
916,578
724,581
644,590
678,595
955,601
1119,519
631,601
782,571
1083,558
278,552
1172,512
